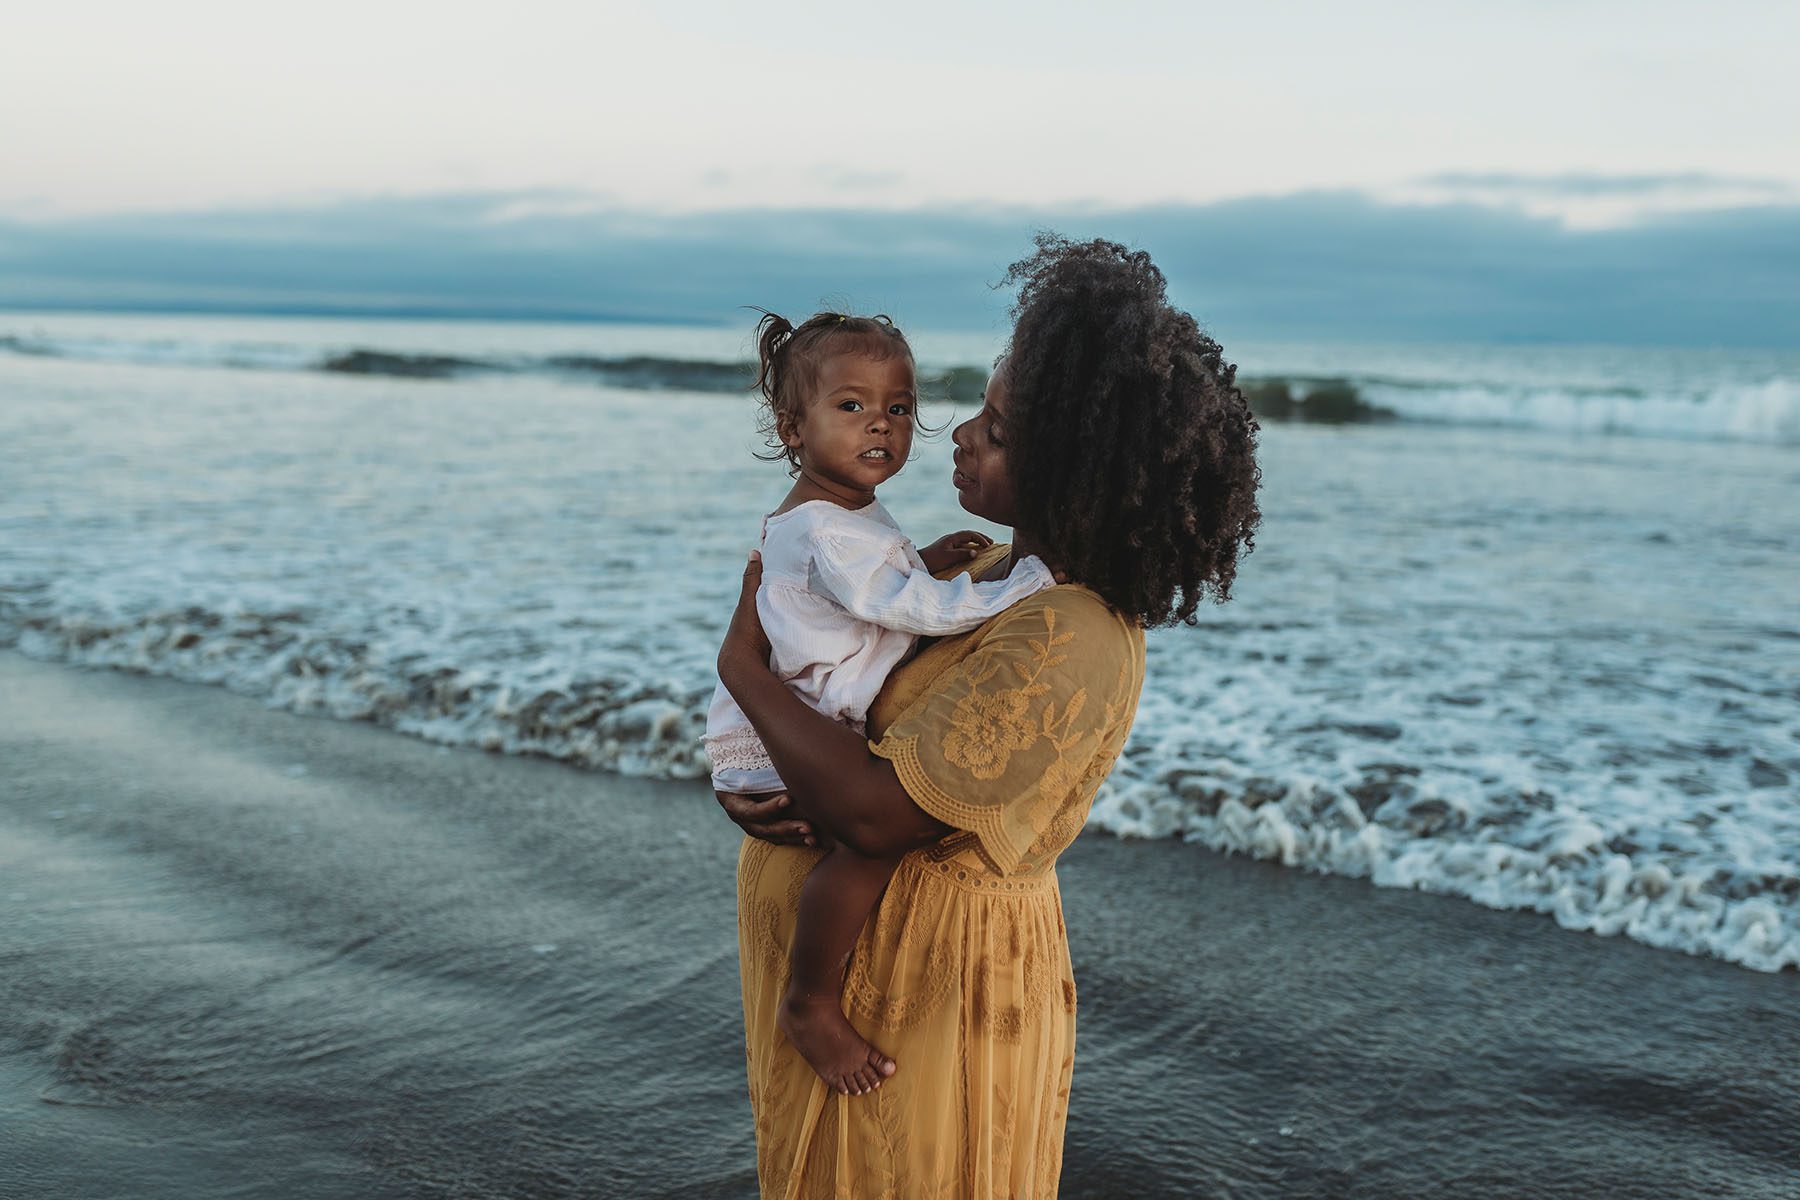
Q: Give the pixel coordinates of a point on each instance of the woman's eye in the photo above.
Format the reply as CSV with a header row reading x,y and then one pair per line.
x,y
994,437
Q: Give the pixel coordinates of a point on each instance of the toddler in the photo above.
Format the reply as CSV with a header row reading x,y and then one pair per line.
x,y
844,597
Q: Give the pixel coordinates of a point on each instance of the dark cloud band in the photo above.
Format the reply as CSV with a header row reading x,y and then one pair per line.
x,y
1311,265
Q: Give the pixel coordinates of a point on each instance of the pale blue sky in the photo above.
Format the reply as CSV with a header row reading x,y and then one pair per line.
x,y
1590,110
1588,170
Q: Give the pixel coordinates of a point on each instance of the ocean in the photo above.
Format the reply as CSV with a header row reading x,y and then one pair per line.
x,y
1520,626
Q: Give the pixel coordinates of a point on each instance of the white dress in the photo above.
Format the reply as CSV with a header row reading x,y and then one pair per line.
x,y
844,596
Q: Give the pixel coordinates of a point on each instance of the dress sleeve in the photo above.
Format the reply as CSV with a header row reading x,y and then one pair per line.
x,y
875,582
999,742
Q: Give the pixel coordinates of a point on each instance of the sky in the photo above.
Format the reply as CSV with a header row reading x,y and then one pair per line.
x,y
1662,126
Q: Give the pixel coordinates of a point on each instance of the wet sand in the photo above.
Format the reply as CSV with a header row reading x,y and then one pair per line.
x,y
247,953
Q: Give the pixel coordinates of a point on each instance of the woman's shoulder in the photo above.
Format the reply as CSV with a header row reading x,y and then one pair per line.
x,y
1069,631
1071,608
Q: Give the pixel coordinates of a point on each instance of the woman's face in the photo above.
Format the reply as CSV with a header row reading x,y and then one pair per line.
x,y
982,483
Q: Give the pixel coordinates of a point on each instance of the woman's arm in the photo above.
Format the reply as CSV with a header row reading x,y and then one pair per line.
x,y
851,794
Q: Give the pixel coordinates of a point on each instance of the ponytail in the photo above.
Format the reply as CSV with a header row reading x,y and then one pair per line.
x,y
774,333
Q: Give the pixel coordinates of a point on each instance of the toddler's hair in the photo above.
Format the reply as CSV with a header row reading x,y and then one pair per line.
x,y
789,358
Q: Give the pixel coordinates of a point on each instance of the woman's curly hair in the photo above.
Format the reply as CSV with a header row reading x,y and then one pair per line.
x,y
1131,449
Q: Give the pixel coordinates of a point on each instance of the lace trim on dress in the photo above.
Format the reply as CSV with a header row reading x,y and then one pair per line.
x,y
739,750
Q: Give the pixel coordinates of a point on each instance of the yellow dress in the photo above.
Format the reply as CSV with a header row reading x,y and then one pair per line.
x,y
963,973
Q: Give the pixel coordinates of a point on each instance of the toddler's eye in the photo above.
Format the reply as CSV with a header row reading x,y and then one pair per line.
x,y
900,410
851,406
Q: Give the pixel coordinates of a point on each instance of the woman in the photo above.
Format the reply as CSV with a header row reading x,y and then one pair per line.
x,y
1113,439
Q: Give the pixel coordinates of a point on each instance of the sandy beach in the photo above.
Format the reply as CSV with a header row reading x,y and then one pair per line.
x,y
250,953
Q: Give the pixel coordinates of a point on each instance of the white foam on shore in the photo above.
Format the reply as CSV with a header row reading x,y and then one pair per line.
x,y
1659,868
610,721
1556,861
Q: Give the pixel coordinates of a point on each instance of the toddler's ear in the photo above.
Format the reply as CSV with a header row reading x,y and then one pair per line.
x,y
788,430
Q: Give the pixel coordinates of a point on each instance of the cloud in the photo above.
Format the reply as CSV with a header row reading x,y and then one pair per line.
x,y
1587,184
1596,200
1306,266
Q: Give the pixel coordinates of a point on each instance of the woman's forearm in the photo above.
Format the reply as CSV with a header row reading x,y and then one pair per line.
x,y
852,794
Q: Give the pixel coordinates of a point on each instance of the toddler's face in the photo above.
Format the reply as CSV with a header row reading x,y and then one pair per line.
x,y
857,427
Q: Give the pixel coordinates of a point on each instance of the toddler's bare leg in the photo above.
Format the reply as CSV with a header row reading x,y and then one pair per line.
x,y
839,895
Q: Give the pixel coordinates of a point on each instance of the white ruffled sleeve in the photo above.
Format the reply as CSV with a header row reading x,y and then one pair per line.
x,y
876,582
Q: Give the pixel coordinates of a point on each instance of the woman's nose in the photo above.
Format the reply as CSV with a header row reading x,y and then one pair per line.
x,y
956,435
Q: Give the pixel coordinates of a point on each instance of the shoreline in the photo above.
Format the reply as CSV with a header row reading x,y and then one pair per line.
x,y
246,946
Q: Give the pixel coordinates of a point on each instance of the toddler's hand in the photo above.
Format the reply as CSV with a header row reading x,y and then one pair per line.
x,y
954,549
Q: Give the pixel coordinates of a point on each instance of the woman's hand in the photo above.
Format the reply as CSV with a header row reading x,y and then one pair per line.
x,y
745,645
771,818
954,549
746,648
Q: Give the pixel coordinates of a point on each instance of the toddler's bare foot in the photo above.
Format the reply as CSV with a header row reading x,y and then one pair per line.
x,y
826,1040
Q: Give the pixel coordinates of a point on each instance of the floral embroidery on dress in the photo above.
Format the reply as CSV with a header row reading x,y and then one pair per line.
x,y
988,728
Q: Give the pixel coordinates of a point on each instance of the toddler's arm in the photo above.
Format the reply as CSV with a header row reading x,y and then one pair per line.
x,y
867,578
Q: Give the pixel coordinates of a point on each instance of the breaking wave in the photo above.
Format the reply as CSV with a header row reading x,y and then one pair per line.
x,y
1765,409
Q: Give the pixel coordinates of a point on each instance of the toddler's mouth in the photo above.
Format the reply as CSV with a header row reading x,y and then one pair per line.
x,y
877,454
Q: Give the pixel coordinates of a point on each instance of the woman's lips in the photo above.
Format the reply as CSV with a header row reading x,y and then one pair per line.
x,y
961,481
